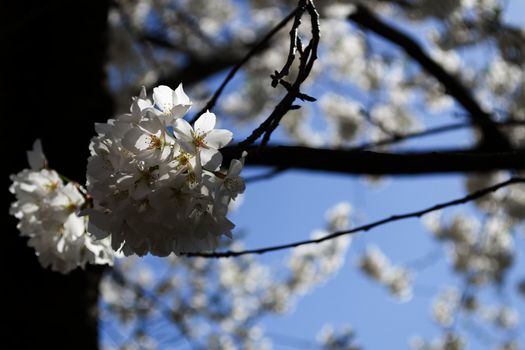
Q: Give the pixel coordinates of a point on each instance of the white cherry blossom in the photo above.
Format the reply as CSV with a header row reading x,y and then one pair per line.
x,y
203,139
172,104
155,179
47,209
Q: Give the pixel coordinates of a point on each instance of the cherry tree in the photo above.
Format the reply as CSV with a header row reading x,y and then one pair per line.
x,y
144,97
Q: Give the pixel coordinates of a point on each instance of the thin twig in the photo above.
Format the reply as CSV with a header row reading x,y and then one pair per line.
x,y
367,227
249,55
380,125
427,132
306,62
294,41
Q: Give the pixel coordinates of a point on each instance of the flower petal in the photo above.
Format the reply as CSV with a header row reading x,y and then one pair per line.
x,y
163,97
36,158
179,111
188,147
136,140
183,130
211,159
180,98
218,138
235,167
205,123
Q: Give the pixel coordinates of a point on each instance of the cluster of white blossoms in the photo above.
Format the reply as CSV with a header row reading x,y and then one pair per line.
x,y
481,253
502,316
445,306
47,209
156,181
346,114
396,278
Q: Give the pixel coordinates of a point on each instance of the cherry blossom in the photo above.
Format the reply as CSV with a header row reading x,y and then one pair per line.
x,y
48,213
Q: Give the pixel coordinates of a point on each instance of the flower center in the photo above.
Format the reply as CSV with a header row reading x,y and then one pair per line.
x,y
52,186
198,140
183,158
155,142
234,184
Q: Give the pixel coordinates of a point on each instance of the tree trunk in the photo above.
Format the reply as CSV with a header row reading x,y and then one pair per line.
x,y
53,89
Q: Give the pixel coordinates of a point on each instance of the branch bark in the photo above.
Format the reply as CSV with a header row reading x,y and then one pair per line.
x,y
376,163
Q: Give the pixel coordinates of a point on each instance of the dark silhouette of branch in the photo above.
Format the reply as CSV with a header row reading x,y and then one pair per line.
x,y
265,176
294,43
257,48
377,163
387,141
492,139
308,55
367,227
393,139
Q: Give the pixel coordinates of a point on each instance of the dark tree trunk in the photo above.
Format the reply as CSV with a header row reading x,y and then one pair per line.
x,y
52,79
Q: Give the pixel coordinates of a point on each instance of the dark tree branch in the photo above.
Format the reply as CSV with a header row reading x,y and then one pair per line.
x,y
257,48
367,227
492,139
265,176
308,55
375,163
294,43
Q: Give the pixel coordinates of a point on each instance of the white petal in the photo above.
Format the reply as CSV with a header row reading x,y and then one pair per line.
x,y
211,159
218,138
36,157
183,130
163,97
188,146
180,98
235,167
136,140
154,126
179,111
144,103
74,226
197,167
143,94
205,123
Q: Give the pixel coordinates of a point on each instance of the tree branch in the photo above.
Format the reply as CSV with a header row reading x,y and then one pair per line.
x,y
375,163
308,56
492,139
262,43
367,227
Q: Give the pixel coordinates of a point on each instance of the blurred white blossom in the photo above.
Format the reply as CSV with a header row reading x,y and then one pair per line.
x,y
396,279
